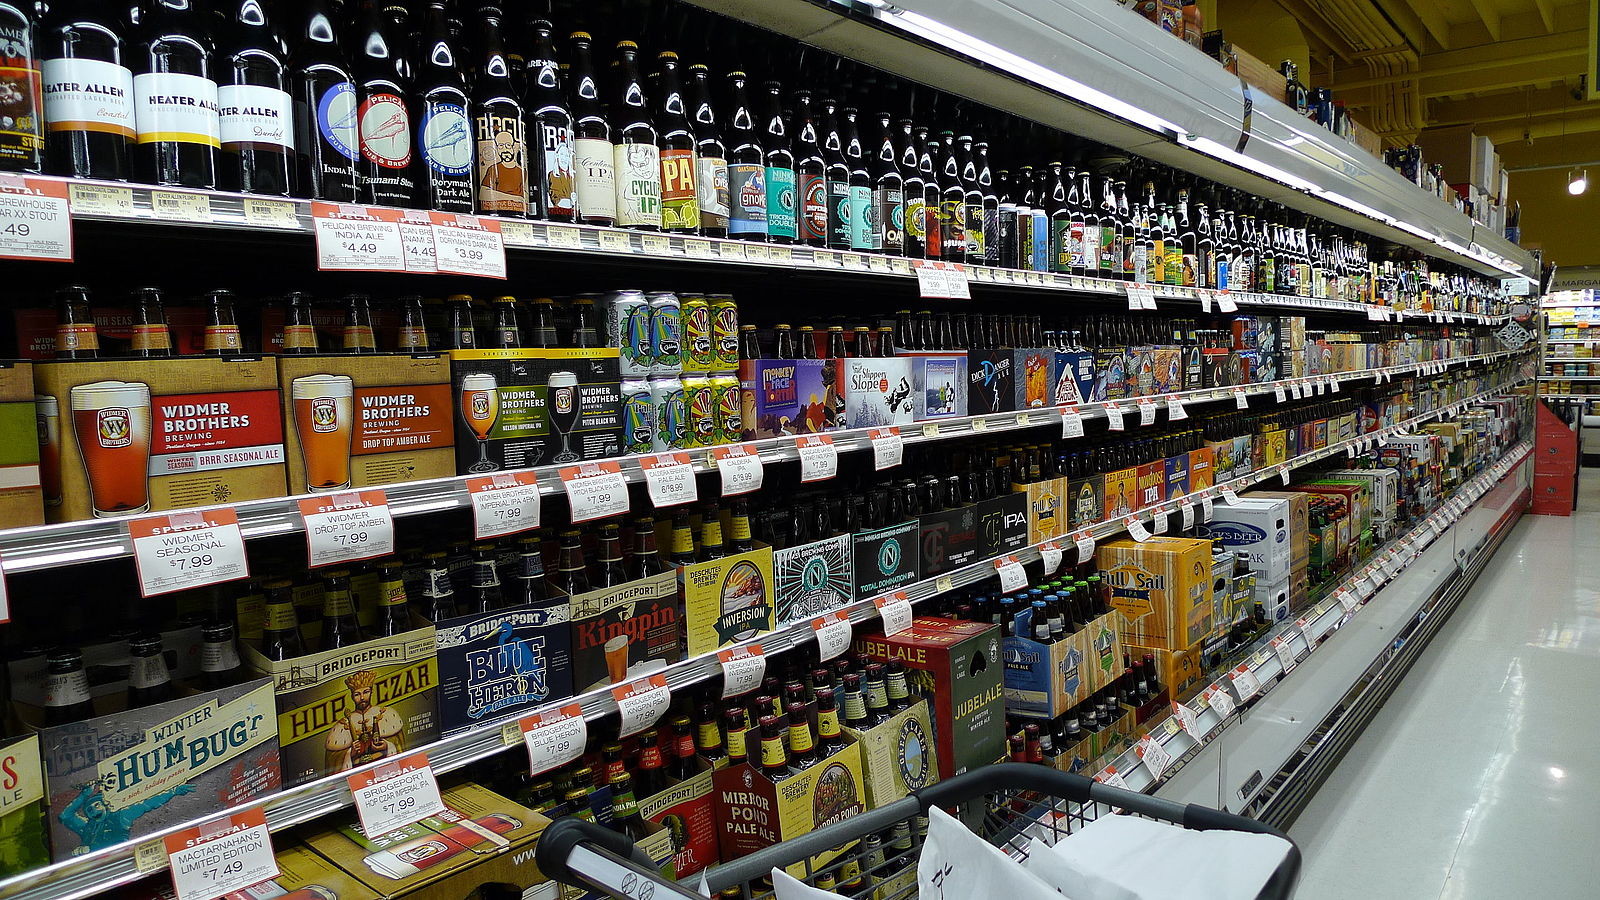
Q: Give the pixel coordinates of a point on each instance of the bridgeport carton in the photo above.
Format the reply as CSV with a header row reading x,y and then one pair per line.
x,y
1162,588
623,632
687,810
495,665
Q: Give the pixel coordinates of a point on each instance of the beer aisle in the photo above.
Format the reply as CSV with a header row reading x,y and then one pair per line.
x,y
1477,779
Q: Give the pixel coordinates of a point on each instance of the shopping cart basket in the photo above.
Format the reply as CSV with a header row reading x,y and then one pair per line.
x,y
1008,805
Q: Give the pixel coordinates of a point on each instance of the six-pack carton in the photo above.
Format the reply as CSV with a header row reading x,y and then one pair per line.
x,y
24,823
784,397
1162,588
754,812
530,407
623,632
30,454
812,579
727,600
897,756
495,665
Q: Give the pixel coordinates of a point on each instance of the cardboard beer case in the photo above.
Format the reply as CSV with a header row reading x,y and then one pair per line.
x,y
1035,382
24,823
1257,527
939,384
886,558
1102,651
341,708
622,632
495,665
1177,475
138,435
530,407
1122,492
1002,524
897,756
1047,516
877,391
1074,372
687,811
30,448
1043,679
373,419
754,812
1152,483
302,873
1201,472
787,397
811,579
950,539
991,382
1086,501
727,600
1161,587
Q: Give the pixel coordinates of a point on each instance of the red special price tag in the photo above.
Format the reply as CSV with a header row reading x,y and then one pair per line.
x,y
222,856
887,447
740,465
742,669
819,459
896,612
503,503
347,527
595,490
669,478
183,550
833,633
1013,577
554,738
354,238
641,704
396,794
34,222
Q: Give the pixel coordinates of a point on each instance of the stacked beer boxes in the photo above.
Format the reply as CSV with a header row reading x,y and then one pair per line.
x,y
1260,528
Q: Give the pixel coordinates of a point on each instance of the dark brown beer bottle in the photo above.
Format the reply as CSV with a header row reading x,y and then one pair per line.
x,y
711,544
339,625
829,732
504,334
149,681
638,158
412,333
255,112
646,561
280,633
299,333
88,92
625,809
554,189
652,767
682,765
459,331
774,756
76,335
383,116
222,336
358,336
592,158
219,657
498,125
444,136
740,540
483,587
683,552
609,570
708,735
393,613
175,96
530,572
151,337
439,595
66,688
737,727
571,573
802,746
326,109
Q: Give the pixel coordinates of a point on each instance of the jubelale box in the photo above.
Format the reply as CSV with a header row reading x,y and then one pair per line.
x,y
877,391
30,448
146,435
366,420
885,558
755,812
522,408
727,600
626,631
812,579
784,397
498,664
1162,588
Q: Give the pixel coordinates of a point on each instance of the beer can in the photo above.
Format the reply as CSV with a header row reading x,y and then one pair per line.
x,y
1041,241
628,329
724,332
666,394
638,416
700,406
666,334
700,349
730,407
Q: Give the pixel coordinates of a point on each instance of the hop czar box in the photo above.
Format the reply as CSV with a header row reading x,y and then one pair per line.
x,y
727,600
754,812
24,829
626,631
812,579
498,664
520,408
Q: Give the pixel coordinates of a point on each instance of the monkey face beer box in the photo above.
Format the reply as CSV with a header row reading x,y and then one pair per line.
x,y
812,579
754,812
958,665
727,600
521,408
23,827
877,391
626,631
785,397
146,435
368,420
1162,588
497,664
342,708
26,463
124,774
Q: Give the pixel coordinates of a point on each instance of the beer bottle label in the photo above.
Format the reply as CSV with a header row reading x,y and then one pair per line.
x,y
814,208
975,235
337,603
711,186
386,131
680,203
443,139
597,189
624,805
88,95
281,617
412,337
218,656
861,217
502,163
147,671
839,230
991,236
251,115
855,707
223,337
1156,261
747,192
650,757
66,688
359,337
1061,240
953,223
1109,255
1075,245
800,739
638,184
772,753
915,229
780,202
176,108
151,337
21,124
336,119
739,528
891,219
710,737
828,723
392,593
77,336
560,187
1091,247
299,337
736,744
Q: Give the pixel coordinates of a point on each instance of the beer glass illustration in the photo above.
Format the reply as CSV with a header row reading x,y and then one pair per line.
x,y
616,650
48,411
111,423
324,420
563,409
480,407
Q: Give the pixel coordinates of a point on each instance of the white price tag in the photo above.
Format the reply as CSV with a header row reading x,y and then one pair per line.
x,y
1136,529
554,738
1156,758
1285,652
1333,384
1084,546
833,633
1114,416
641,703
1186,510
34,222
819,459
347,527
1230,496
1188,721
1220,701
416,238
1071,422
742,669
1141,296
503,503
396,794
1110,776
222,856
1175,410
1147,412
469,245
1225,303
595,490
1050,555
887,448
1283,474
357,238
896,612
180,206
1207,509
1245,682
670,480
1320,386
1205,301
270,213
1013,577
1158,524
1281,396
740,467
1241,399
1348,600
183,550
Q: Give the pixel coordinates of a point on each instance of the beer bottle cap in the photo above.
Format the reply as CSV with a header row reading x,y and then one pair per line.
x,y
460,298
666,54
579,36
627,45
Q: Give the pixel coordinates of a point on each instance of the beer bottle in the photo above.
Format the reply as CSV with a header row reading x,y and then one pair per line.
x,y
991,204
829,733
898,689
811,175
736,725
711,157
88,92
66,688
774,758
299,334
552,190
836,346
740,540
222,337
886,345
862,227
255,112
973,206
149,682
393,615
76,335
444,136
382,76
542,331
610,571
877,695
584,331
646,561
932,195
855,703
652,778
358,336
411,335
805,342
592,157
459,331
683,552
151,337
439,594
888,193
783,343
219,657
498,126
711,546
747,168
614,766
781,204
530,572
339,625
682,766
708,735
571,573
680,201
576,802
625,809
749,342
483,591
802,746
325,106
837,172
866,341
952,200
280,632
637,160
1061,222
505,333
914,213
175,96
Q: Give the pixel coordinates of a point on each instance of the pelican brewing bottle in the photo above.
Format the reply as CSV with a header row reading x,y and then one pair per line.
x,y
384,119
325,101
444,136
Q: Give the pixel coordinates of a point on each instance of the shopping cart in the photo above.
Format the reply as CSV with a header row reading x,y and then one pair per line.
x,y
1008,805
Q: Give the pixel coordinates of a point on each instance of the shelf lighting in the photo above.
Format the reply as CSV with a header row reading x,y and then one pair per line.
x,y
1577,181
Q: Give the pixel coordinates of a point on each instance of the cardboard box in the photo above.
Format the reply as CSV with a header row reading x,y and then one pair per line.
x,y
1074,377
877,391
342,708
949,540
1384,488
897,756
1258,528
1162,588
1046,516
1035,382
1002,524
1177,474
753,812
1181,671
499,664
812,579
785,397
687,810
174,433
626,631
506,397
1273,598
1043,680
1103,646
1152,483
939,384
30,455
373,419
1087,501
1299,525
1122,492
959,665
885,558
131,772
991,382
727,600
302,873
23,822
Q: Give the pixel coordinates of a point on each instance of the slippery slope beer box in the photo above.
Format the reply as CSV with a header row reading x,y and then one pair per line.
x,y
363,421
341,708
522,408
754,812
140,435
897,756
1162,588
26,462
877,391
812,578
626,631
23,827
497,664
727,600
129,773
786,397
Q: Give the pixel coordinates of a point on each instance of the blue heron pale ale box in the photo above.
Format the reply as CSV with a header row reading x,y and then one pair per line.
x,y
498,664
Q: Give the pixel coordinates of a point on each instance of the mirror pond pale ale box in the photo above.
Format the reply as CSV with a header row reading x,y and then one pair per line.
x,y
147,435
362,421
26,463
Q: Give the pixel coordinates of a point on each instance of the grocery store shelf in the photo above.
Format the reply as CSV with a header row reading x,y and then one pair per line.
x,y
95,873
1548,378
71,543
1570,396
1572,359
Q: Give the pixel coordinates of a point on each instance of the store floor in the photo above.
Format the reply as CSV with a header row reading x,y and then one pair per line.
x,y
1480,778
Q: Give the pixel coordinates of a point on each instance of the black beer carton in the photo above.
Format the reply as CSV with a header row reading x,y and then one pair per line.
x,y
498,664
812,578
622,632
528,407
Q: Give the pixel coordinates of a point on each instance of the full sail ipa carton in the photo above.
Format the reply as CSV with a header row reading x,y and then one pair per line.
x,y
368,420
521,408
498,664
146,435
625,631
1162,588
26,463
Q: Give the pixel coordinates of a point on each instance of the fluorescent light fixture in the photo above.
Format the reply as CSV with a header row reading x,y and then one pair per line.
x,y
1578,181
1229,155
1356,205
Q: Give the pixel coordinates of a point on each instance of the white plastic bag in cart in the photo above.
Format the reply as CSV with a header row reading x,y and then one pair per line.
x,y
1127,858
788,887
958,865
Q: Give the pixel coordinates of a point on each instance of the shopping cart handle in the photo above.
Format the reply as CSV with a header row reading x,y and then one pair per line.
x,y
561,836
1004,777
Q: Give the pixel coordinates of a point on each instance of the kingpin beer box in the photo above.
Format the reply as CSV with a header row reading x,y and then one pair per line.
x,y
625,631
1162,588
813,578
522,408
727,600
26,464
498,664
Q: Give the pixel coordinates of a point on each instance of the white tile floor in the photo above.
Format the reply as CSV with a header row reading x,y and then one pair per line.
x,y
1480,778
